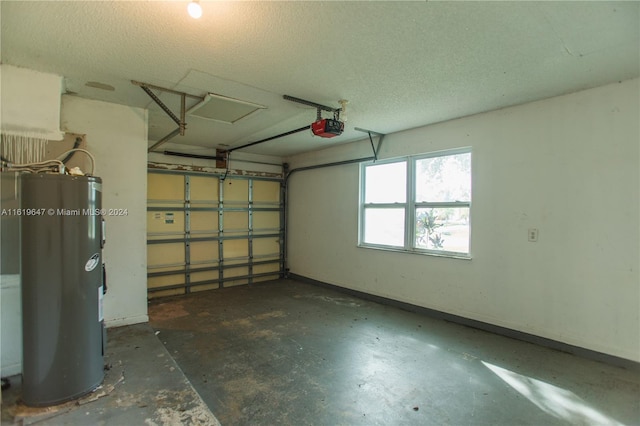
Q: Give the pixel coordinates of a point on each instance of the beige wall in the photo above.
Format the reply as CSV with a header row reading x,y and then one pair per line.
x,y
567,166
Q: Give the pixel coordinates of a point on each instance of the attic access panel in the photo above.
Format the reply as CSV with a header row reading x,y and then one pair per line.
x,y
223,109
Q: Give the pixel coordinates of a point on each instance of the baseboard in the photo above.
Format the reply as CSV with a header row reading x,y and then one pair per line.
x,y
119,322
11,370
496,329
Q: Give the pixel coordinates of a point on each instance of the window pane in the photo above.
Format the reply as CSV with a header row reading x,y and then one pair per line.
x,y
384,226
445,229
446,178
386,183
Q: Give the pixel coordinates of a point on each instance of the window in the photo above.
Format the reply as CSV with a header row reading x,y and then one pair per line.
x,y
418,204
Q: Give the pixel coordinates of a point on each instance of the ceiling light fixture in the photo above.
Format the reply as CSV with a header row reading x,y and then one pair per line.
x,y
194,9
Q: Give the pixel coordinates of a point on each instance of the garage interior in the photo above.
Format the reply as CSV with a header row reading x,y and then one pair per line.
x,y
337,212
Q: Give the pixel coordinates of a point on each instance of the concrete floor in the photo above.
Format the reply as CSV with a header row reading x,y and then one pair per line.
x,y
292,353
144,386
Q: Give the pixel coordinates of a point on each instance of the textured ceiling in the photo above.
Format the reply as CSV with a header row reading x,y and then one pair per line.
x,y
400,64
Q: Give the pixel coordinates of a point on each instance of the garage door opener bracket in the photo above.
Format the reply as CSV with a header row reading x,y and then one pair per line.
x,y
182,125
376,150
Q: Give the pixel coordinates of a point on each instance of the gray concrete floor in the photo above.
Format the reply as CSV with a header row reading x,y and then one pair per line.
x,y
291,353
144,386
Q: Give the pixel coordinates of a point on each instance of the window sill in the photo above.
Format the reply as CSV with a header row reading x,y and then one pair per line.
x,y
449,255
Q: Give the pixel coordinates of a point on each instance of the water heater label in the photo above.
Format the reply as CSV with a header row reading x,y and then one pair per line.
x,y
100,303
92,262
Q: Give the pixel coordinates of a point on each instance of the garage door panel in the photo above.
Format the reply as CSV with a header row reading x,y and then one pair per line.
x,y
165,281
197,277
204,189
235,248
204,276
266,191
236,191
165,254
266,221
166,293
266,246
234,283
162,186
178,269
204,221
241,273
165,222
273,269
235,221
204,287
204,252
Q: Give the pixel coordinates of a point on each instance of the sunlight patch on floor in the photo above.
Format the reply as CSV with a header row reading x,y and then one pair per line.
x,y
560,403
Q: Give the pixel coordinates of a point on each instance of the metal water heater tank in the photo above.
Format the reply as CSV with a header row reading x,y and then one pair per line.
x,y
62,287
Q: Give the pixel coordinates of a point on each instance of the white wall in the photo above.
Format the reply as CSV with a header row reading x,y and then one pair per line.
x,y
117,136
10,325
566,165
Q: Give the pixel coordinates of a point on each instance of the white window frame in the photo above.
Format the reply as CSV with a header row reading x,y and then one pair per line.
x,y
410,205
